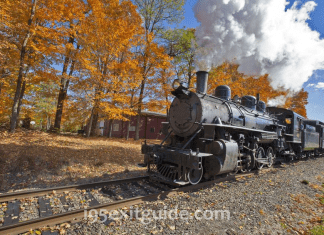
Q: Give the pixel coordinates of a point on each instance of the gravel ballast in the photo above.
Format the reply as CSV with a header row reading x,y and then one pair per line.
x,y
280,201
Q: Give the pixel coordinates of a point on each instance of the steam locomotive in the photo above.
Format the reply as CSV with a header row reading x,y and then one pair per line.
x,y
210,135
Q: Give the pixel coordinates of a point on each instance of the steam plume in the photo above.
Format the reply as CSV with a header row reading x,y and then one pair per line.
x,y
280,100
260,36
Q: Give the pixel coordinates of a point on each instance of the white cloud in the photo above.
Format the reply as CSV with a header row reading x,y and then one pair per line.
x,y
320,85
262,37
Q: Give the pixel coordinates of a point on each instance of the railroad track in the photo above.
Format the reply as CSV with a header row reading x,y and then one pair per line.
x,y
121,193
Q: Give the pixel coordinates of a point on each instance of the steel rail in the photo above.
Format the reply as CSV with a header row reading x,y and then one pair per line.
x,y
41,192
77,215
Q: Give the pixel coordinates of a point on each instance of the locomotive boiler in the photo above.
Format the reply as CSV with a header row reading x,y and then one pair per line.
x,y
209,135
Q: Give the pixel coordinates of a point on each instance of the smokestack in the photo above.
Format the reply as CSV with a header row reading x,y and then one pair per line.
x,y
202,80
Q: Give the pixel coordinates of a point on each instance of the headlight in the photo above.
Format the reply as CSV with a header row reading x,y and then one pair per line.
x,y
176,84
288,120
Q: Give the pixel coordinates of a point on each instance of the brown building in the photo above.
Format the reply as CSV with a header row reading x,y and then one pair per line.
x,y
150,126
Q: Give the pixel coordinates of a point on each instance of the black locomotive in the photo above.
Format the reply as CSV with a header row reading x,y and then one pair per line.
x,y
209,135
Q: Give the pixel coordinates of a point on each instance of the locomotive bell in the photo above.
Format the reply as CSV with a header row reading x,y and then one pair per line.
x,y
202,79
223,92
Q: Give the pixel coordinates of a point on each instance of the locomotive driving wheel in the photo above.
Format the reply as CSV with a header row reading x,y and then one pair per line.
x,y
195,176
260,154
270,156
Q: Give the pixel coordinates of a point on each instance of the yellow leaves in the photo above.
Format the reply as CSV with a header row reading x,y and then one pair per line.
x,y
297,102
240,84
115,55
315,186
242,216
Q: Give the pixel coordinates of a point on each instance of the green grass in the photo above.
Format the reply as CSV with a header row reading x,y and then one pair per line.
x,y
322,200
283,225
318,230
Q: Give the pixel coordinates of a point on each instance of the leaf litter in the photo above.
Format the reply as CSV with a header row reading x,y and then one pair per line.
x,y
33,158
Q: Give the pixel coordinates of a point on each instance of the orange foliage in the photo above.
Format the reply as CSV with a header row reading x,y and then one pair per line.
x,y
240,84
297,102
108,37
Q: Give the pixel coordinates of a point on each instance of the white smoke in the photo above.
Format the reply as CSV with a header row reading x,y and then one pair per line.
x,y
278,101
260,36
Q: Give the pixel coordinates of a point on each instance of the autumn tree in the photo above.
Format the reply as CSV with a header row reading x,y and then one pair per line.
x,y
159,90
43,102
241,84
77,110
30,34
71,21
28,31
113,29
297,102
181,47
155,15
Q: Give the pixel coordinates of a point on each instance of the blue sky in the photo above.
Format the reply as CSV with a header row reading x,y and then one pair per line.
x,y
315,108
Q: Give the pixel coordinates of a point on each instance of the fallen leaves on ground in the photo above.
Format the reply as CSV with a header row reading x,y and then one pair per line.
x,y
48,157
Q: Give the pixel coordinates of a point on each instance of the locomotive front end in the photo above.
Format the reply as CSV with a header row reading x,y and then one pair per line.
x,y
180,160
185,114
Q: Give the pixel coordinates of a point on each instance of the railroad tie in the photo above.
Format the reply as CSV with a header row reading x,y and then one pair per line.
x,y
64,202
44,207
110,192
92,201
157,185
146,190
12,213
126,190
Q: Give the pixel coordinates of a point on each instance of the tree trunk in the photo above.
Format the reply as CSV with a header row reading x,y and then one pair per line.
x,y
129,122
90,123
63,87
110,128
127,131
138,123
48,122
3,75
167,108
14,114
189,79
22,93
139,110
94,123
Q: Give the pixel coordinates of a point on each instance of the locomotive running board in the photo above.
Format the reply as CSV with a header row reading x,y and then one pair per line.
x,y
239,128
